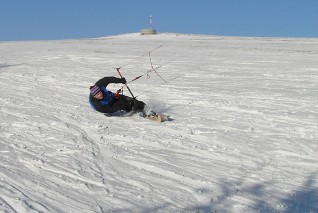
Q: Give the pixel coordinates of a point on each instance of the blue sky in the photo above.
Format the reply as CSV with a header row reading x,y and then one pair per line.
x,y
68,19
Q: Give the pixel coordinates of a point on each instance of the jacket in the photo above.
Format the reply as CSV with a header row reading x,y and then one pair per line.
x,y
104,105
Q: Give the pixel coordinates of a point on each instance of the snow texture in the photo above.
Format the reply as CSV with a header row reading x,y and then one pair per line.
x,y
243,135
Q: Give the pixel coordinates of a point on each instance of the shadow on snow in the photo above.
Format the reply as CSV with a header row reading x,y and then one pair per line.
x,y
304,200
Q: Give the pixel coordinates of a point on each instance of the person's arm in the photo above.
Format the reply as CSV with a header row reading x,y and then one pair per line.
x,y
108,80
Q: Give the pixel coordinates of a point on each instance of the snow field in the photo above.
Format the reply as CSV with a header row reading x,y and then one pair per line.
x,y
243,136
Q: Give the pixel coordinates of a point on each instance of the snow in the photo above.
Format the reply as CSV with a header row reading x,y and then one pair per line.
x,y
243,135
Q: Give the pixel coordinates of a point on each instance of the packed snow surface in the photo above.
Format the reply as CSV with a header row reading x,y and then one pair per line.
x,y
242,138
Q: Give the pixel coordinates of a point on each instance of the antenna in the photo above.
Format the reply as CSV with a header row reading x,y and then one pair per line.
x,y
151,22
149,31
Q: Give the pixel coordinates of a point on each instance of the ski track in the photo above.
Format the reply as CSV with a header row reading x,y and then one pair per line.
x,y
243,135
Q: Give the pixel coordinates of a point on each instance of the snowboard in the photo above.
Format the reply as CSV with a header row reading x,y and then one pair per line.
x,y
158,117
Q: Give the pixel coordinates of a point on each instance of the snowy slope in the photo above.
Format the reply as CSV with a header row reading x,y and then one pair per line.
x,y
243,136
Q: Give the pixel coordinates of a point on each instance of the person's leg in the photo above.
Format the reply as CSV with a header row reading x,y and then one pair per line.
x,y
138,106
122,103
132,104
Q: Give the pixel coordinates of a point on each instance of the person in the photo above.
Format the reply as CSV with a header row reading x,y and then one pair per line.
x,y
109,103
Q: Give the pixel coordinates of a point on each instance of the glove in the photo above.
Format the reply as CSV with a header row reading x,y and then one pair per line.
x,y
123,80
117,94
